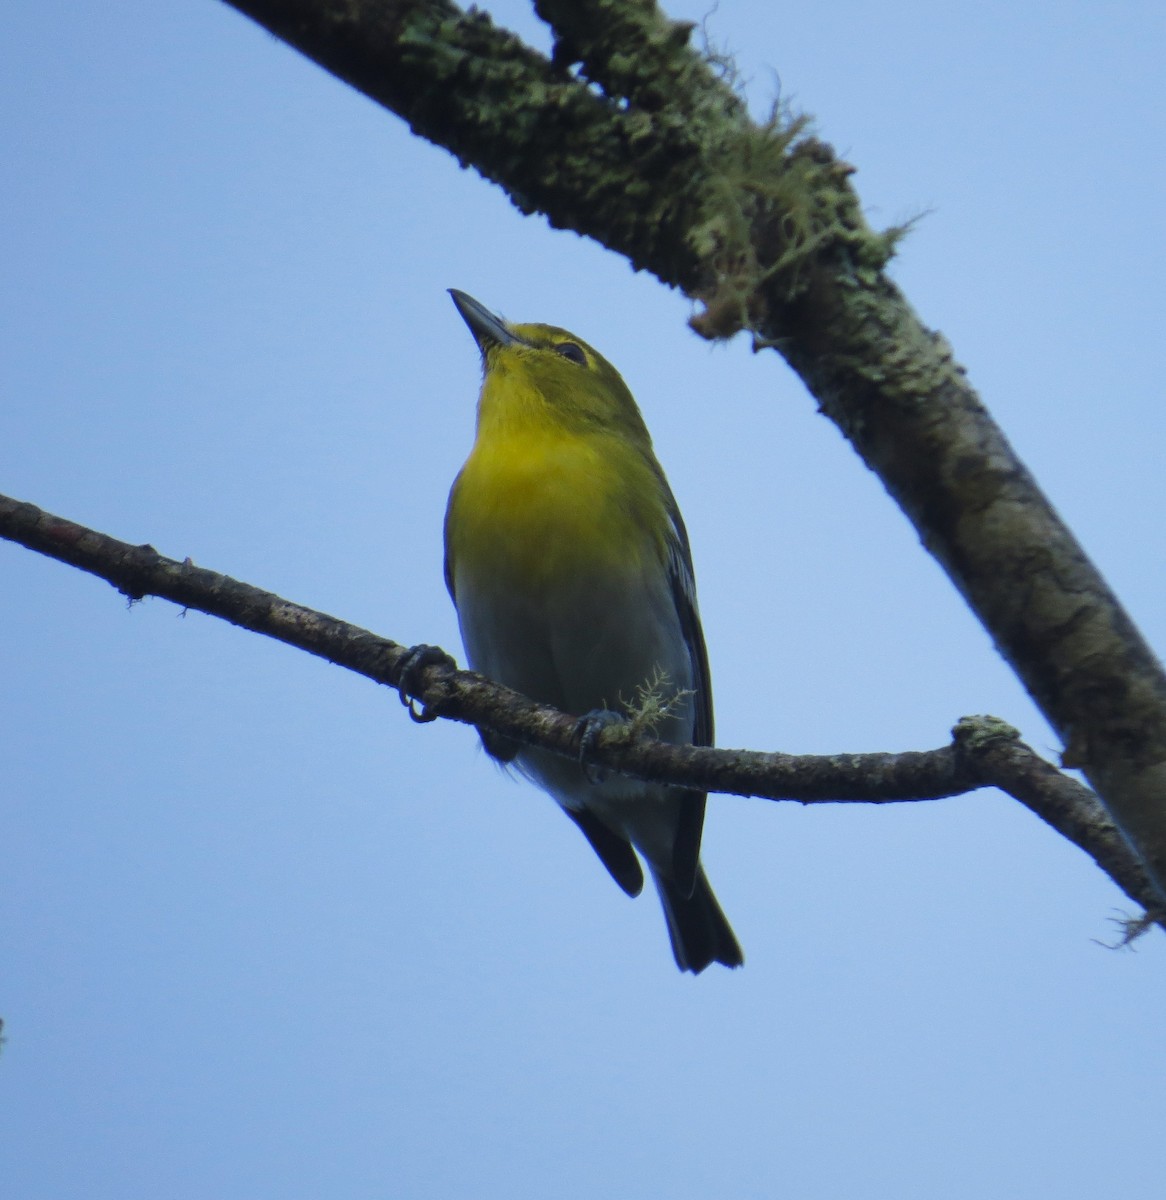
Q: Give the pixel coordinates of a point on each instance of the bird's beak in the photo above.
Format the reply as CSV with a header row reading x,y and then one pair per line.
x,y
488,330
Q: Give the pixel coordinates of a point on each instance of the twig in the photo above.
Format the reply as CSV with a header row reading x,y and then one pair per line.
x,y
983,752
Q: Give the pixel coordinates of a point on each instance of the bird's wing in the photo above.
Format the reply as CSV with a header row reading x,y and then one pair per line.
x,y
683,584
614,852
686,848
448,561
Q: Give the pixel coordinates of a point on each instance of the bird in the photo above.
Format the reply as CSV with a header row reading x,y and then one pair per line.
x,y
569,565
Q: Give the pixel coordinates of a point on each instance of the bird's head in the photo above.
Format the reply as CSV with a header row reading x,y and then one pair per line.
x,y
546,371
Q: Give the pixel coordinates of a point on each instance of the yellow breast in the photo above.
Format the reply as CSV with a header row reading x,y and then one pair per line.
x,y
536,506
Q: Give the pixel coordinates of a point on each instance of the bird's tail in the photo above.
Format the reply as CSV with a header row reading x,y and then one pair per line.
x,y
698,928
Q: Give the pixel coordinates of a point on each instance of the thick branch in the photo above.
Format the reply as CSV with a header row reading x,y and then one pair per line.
x,y
983,751
463,83
649,151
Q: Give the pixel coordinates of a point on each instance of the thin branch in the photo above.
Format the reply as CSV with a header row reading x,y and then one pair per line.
x,y
983,751
629,136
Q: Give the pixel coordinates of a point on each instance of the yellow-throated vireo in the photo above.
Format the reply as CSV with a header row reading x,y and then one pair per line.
x,y
569,565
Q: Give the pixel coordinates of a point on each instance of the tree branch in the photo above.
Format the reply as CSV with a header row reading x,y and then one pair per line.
x,y
629,136
983,752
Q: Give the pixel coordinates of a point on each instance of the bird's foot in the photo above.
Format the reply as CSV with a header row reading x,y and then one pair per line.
x,y
416,659
589,727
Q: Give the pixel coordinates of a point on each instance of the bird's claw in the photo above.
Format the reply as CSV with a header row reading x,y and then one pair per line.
x,y
589,727
416,659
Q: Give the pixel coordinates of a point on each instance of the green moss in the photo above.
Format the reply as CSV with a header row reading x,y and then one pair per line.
x,y
777,205
976,732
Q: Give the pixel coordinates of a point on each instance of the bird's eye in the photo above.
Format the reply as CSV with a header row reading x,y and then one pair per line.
x,y
573,352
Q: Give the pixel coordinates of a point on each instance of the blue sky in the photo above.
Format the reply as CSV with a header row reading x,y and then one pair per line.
x,y
262,936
